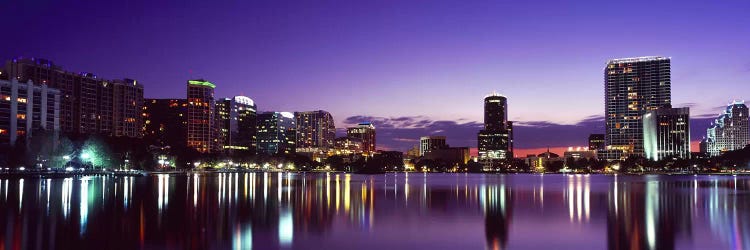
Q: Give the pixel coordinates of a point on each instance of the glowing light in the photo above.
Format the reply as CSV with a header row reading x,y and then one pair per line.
x,y
286,228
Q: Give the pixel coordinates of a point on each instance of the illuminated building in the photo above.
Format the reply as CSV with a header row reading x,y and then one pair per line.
x,y
88,104
729,131
165,122
315,131
666,133
579,153
632,86
26,108
540,162
495,141
366,133
276,133
429,143
596,142
236,122
201,128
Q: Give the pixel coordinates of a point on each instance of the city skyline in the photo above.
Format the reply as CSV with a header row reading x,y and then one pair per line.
x,y
465,61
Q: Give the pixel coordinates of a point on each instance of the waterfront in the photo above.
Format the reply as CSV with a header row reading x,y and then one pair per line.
x,y
391,211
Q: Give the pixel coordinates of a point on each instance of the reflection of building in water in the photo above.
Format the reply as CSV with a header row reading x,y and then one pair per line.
x,y
497,204
728,215
641,216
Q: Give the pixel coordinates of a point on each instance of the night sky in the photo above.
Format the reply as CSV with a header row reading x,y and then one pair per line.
x,y
412,67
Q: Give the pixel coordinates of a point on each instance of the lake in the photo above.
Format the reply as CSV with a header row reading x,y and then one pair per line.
x,y
390,211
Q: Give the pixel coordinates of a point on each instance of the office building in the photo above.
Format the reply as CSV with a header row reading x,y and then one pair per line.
x,y
366,133
27,108
88,104
632,86
596,142
202,132
276,133
580,153
429,143
165,122
236,123
495,141
666,133
729,131
315,131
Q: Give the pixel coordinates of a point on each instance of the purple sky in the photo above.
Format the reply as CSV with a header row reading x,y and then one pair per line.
x,y
425,60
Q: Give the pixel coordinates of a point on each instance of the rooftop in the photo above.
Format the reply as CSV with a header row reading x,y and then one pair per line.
x,y
638,59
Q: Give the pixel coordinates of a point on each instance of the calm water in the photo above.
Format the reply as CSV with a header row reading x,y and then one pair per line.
x,y
393,211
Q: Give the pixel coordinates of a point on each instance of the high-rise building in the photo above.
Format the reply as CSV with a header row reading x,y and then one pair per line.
x,y
729,131
236,122
165,122
201,129
666,133
366,133
88,104
596,142
632,87
26,108
315,130
429,143
276,133
495,141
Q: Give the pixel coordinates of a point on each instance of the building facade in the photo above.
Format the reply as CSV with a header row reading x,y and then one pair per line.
x,y
633,86
201,129
276,133
666,133
429,143
729,131
455,155
315,131
27,108
236,122
165,122
495,141
596,142
365,132
88,104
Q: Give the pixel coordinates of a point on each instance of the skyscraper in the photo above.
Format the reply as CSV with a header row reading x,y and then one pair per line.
x,y
729,131
365,132
495,141
666,133
315,130
236,122
429,143
276,133
201,128
165,122
88,104
632,87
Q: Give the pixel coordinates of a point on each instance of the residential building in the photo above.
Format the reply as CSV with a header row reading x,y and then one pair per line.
x,y
88,104
366,133
729,131
316,131
632,86
27,108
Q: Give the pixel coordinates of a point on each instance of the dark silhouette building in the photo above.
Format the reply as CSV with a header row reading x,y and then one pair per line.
x,y
495,141
165,122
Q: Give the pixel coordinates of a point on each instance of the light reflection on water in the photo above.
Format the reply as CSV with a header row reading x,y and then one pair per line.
x,y
347,211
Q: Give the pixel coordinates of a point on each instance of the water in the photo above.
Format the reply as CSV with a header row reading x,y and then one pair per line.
x,y
392,211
